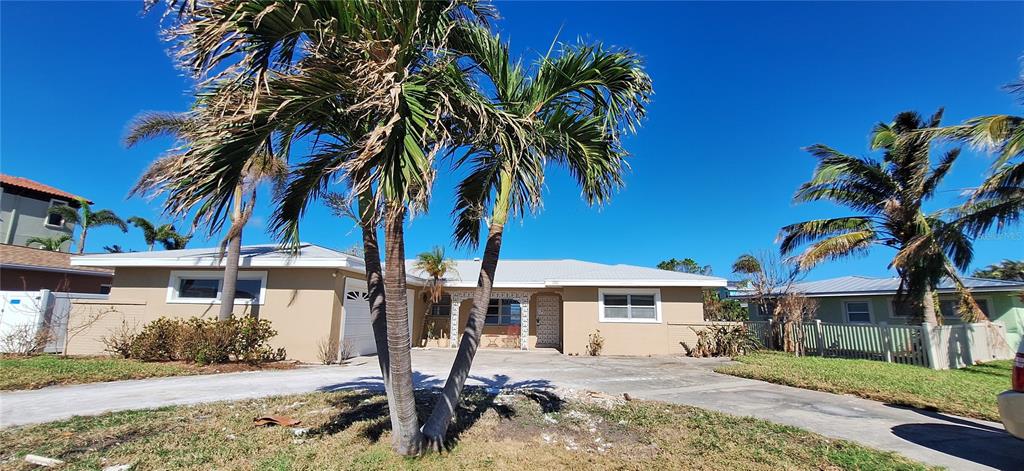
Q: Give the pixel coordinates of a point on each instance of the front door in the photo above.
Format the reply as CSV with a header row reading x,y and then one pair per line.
x,y
549,321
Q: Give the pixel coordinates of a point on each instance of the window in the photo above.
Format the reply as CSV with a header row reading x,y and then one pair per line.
x,y
205,287
503,312
55,220
898,311
858,312
442,307
630,306
951,307
104,289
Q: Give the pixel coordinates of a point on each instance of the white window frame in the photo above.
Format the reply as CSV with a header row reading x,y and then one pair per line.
x,y
629,320
174,281
46,219
846,311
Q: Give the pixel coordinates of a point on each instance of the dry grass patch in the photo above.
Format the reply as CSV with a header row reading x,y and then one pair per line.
x,y
47,370
350,430
969,392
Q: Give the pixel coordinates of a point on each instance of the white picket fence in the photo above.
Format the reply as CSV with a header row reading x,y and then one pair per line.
x,y
938,347
34,310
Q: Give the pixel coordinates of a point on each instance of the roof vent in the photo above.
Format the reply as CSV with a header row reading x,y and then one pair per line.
x,y
476,259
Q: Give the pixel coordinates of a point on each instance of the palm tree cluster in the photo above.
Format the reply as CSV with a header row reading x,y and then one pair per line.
x,y
164,234
85,218
889,194
375,93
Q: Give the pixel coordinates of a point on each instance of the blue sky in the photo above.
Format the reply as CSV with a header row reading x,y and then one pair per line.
x,y
740,89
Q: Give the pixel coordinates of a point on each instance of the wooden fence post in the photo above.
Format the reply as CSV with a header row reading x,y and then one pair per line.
x,y
929,351
886,333
820,337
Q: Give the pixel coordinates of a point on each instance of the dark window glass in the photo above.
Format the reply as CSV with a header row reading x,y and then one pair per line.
x,y
247,289
503,312
193,288
55,219
442,307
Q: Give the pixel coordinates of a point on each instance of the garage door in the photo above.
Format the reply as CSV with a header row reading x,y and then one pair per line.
x,y
357,331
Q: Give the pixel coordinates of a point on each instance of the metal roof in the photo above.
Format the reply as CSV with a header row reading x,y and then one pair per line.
x,y
568,272
863,286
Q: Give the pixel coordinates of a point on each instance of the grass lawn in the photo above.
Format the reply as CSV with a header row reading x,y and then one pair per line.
x,y
350,430
969,392
47,370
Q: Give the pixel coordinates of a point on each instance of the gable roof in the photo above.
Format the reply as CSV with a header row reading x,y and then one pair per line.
x,y
568,272
855,285
28,258
264,255
510,274
32,185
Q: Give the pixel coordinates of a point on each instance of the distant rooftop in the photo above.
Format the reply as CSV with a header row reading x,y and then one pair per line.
x,y
264,255
863,285
26,184
28,258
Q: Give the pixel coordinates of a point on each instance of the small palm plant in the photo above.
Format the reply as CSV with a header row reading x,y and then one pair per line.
x,y
53,244
165,234
86,219
436,266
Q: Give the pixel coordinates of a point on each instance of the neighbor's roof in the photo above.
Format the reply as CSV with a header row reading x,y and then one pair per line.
x,y
864,286
28,258
266,255
559,273
19,182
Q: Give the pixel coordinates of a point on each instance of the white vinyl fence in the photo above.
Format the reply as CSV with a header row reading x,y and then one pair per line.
x,y
24,313
938,347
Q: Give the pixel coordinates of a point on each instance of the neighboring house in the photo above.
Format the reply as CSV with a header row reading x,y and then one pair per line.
x,y
25,211
30,269
320,294
861,299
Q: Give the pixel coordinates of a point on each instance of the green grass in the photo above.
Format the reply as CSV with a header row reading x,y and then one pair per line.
x,y
969,392
46,370
350,430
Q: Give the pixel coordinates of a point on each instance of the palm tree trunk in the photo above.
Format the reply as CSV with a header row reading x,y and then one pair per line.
x,y
928,307
436,427
228,287
406,437
377,298
81,239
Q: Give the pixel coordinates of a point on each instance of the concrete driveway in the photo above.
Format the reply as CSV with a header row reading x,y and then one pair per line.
x,y
938,439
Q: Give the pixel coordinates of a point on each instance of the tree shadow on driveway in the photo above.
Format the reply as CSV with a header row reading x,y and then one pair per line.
x,y
968,440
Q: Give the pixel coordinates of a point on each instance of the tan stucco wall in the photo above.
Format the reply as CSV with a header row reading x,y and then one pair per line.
x,y
302,304
680,308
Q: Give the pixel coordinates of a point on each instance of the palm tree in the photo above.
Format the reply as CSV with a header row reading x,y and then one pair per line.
x,y
576,107
115,248
1005,270
166,234
889,194
436,266
165,173
53,244
86,218
377,87
999,201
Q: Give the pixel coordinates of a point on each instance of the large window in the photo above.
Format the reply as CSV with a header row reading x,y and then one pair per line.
x,y
858,312
203,287
55,220
442,307
503,312
630,306
951,307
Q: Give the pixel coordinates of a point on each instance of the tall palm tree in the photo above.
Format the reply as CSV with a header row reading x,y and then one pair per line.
x,y
890,194
999,202
165,172
85,218
436,266
1005,270
377,87
576,106
53,244
165,234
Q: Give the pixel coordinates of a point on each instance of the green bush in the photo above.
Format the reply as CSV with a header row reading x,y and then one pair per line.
x,y
206,341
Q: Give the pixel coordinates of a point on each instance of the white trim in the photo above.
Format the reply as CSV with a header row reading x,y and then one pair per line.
x,y
89,261
846,312
176,275
657,305
46,219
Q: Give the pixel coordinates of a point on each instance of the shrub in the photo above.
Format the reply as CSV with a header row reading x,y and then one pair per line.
x,y
721,340
327,351
207,341
158,340
595,344
252,342
25,340
119,341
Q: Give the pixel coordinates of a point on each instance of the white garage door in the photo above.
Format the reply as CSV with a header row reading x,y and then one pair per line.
x,y
356,330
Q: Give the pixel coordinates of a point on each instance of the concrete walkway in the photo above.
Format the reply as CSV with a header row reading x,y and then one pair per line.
x,y
937,439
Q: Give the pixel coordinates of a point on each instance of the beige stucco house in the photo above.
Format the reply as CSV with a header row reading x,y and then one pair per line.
x,y
320,294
